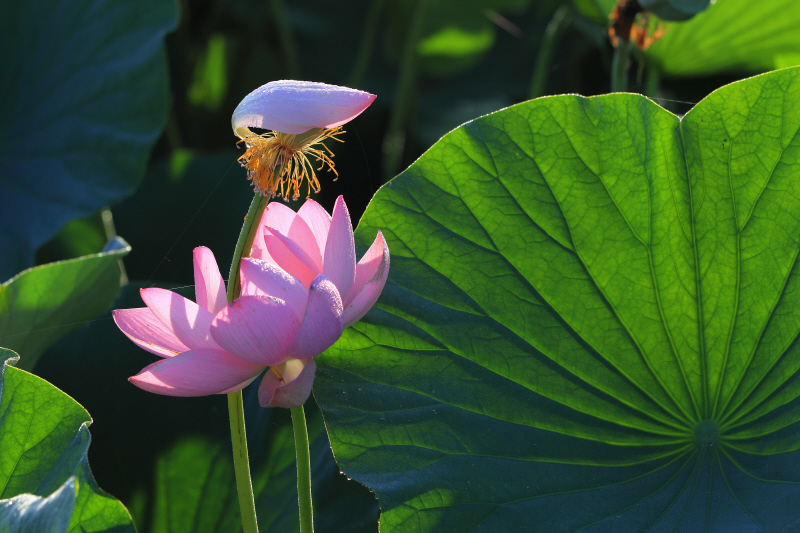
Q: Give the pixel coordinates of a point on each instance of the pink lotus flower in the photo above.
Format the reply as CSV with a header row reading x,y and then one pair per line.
x,y
298,291
313,248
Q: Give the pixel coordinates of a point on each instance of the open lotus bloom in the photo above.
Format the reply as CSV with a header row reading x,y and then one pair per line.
x,y
209,347
294,252
302,115
299,290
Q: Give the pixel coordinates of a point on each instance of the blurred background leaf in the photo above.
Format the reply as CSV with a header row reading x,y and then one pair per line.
x,y
732,35
46,479
84,97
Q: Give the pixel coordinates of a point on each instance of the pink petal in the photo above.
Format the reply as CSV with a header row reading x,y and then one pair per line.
x,y
209,287
257,329
278,216
318,220
293,391
290,256
303,237
377,254
188,321
240,386
196,373
259,249
371,274
293,107
340,251
260,278
322,323
145,329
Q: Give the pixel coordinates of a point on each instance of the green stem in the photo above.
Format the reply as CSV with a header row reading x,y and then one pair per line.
x,y
367,43
561,19
619,67
303,470
394,142
241,462
245,242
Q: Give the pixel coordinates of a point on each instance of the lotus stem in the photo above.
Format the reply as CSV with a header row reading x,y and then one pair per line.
x,y
241,460
303,470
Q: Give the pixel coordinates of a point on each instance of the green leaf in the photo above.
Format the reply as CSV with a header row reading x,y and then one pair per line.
x,y
45,481
84,94
590,322
44,303
730,35
29,513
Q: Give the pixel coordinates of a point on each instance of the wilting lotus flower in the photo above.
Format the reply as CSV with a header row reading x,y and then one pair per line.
x,y
301,115
313,250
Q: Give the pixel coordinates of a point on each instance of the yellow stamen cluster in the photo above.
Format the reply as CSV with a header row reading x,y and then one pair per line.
x,y
278,163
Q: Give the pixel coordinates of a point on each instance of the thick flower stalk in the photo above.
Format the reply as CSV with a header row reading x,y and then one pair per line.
x,y
301,116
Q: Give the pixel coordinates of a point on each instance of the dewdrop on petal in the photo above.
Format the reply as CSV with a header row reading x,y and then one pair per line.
x,y
301,116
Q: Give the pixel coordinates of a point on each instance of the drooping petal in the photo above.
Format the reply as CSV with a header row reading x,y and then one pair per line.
x,y
290,256
322,323
318,220
260,278
302,236
340,250
257,329
293,391
209,287
293,107
188,321
371,274
145,329
196,373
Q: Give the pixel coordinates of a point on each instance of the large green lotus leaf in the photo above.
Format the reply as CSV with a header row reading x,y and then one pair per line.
x,y
84,95
590,322
45,480
44,303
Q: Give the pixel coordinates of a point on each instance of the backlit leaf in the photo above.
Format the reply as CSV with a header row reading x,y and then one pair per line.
x,y
589,323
